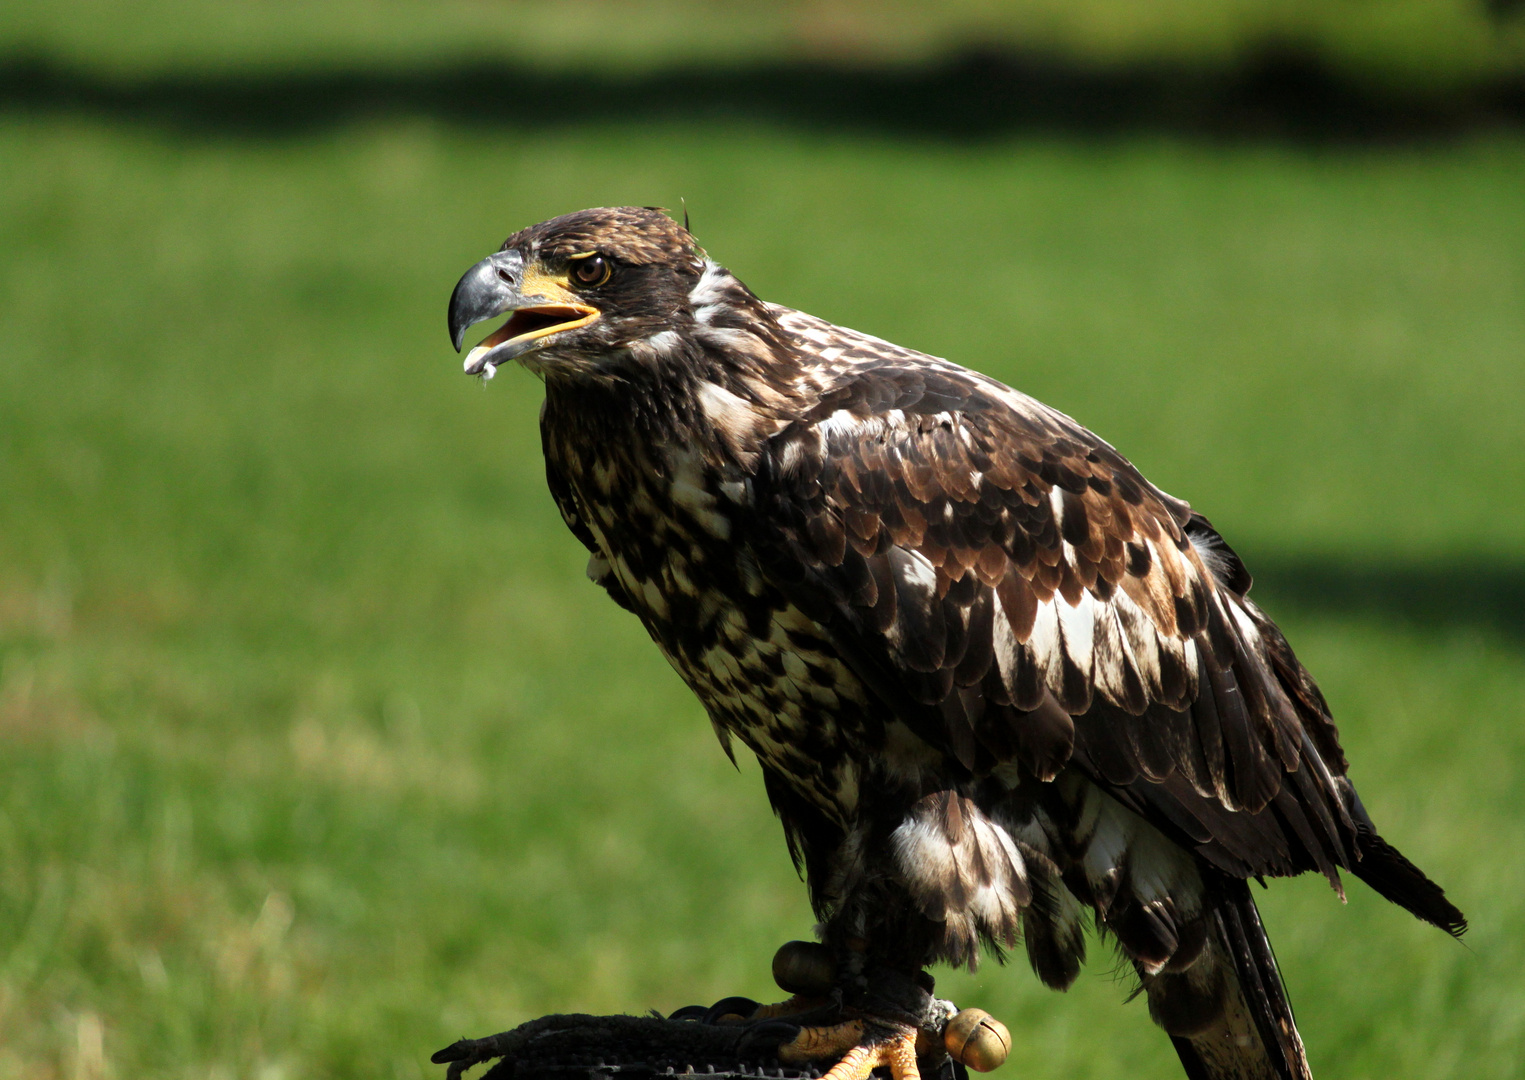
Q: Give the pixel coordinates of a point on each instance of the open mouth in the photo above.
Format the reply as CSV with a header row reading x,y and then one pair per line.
x,y
524,326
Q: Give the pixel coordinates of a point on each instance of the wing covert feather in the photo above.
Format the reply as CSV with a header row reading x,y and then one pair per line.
x,y
1018,592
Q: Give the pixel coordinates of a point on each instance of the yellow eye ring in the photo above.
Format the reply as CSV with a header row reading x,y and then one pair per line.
x,y
590,271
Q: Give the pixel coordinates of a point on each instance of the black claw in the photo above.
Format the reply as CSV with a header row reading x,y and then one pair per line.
x,y
737,1006
690,1012
765,1038
459,1050
464,1054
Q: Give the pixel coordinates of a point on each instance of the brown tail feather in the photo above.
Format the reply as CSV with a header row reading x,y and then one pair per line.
x,y
1384,868
1392,876
1228,1015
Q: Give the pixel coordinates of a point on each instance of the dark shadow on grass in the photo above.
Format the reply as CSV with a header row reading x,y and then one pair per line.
x,y
1441,594
1278,94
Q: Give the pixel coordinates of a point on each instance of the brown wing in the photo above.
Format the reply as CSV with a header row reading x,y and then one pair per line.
x,y
1015,590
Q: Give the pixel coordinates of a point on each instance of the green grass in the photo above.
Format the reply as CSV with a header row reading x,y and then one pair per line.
x,y
1408,45
317,751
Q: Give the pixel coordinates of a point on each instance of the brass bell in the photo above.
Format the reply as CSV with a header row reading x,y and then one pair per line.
x,y
805,968
976,1039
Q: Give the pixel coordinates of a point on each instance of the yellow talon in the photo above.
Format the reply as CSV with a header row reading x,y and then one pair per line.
x,y
899,1053
813,1044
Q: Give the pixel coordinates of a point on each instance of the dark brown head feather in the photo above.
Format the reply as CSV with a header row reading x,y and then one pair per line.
x,y
638,235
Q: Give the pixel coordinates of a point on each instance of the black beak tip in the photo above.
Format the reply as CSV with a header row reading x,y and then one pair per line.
x,y
458,319
484,291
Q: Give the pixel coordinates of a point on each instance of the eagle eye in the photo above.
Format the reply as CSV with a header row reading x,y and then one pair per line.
x,y
590,272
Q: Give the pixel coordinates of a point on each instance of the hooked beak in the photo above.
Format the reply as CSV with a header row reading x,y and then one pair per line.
x,y
495,285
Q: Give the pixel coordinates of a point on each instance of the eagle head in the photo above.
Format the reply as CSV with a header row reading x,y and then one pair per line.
x,y
583,289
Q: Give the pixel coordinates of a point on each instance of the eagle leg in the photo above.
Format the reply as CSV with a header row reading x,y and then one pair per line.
x,y
876,1017
859,1050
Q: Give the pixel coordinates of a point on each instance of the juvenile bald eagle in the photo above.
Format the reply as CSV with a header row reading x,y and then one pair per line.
x,y
998,683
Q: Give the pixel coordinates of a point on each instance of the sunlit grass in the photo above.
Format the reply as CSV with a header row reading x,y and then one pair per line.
x,y
1405,45
317,750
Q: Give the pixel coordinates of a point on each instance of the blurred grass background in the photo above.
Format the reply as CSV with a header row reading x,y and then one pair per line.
x,y
317,751
1436,42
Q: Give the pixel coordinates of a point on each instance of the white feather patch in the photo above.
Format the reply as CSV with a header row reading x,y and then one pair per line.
x,y
1110,654
1079,623
915,570
840,422
973,880
1119,842
730,414
1140,642
658,345
712,286
1044,640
